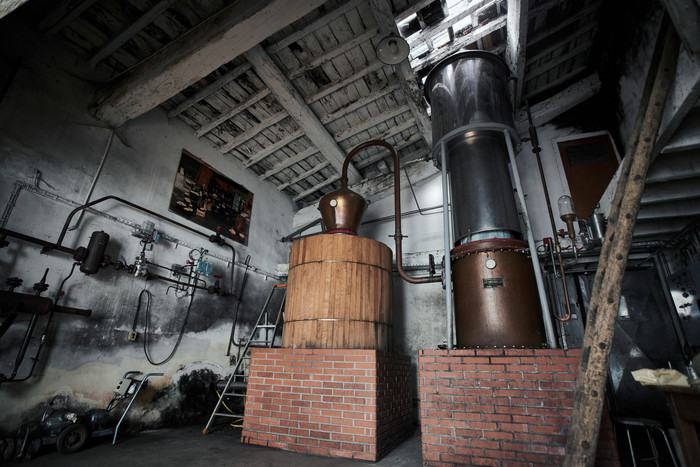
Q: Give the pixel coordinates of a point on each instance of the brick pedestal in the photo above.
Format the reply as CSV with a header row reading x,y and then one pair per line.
x,y
505,407
340,403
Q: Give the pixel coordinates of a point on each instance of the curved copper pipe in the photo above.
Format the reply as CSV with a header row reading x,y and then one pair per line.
x,y
397,209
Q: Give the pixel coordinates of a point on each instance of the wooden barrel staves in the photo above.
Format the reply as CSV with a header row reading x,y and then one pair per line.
x,y
338,294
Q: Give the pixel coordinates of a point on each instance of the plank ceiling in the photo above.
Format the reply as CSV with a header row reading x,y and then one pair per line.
x,y
288,87
338,86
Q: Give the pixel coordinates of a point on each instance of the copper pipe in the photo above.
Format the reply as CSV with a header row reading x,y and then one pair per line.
x,y
397,209
536,149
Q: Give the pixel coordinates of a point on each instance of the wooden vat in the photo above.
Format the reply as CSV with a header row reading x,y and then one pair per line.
x,y
338,294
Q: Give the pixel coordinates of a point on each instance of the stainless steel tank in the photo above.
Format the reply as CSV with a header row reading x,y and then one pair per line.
x,y
468,94
496,301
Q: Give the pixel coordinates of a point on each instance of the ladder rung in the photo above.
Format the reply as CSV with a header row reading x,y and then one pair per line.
x,y
232,384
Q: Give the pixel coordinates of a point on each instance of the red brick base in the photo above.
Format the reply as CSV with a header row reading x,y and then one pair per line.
x,y
504,407
340,403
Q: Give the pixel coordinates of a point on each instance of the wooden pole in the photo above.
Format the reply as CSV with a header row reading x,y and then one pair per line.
x,y
605,299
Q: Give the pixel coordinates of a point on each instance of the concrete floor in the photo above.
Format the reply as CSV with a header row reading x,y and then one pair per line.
x,y
188,446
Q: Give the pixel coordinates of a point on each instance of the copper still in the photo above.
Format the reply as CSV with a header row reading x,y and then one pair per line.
x,y
496,302
339,287
494,294
342,210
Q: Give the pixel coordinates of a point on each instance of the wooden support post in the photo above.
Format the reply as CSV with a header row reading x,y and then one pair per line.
x,y
605,299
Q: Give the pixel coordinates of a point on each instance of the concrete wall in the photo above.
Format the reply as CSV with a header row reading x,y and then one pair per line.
x,y
45,129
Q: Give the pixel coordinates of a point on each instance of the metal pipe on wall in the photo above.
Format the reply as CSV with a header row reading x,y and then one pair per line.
x,y
449,309
536,149
94,179
19,186
548,328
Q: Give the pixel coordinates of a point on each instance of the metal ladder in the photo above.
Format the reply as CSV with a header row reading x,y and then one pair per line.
x,y
269,331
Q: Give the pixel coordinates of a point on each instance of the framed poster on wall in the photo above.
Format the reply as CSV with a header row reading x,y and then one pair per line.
x,y
209,198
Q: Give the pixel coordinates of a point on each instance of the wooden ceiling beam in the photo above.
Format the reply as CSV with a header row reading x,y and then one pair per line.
x,y
685,15
292,101
450,21
130,31
372,122
331,88
8,6
544,7
209,89
214,42
319,23
476,34
566,24
413,9
262,154
304,175
308,152
249,133
544,111
558,45
341,112
684,95
206,128
516,45
534,72
316,187
557,82
331,54
63,14
395,130
414,94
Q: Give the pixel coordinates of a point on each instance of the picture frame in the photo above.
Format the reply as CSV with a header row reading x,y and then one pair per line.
x,y
205,196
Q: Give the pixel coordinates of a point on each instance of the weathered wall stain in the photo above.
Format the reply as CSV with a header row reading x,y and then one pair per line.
x,y
49,141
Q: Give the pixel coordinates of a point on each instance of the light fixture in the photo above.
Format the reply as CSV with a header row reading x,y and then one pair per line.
x,y
392,50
